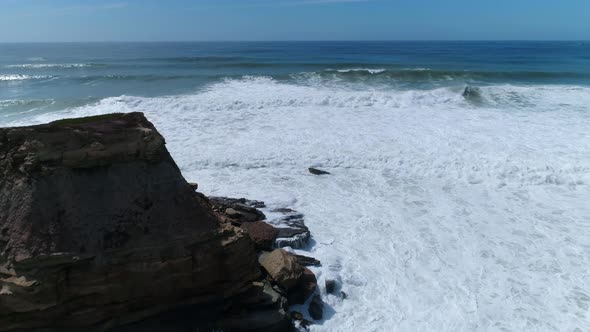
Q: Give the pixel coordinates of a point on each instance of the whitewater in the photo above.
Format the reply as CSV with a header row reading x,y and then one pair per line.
x,y
441,213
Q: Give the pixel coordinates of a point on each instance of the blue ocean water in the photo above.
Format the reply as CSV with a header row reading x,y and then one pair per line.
x,y
446,209
56,76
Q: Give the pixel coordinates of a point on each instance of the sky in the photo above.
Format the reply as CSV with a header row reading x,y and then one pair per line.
x,y
252,20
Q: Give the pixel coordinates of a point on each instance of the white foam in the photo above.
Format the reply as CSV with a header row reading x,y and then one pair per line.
x,y
439,215
49,65
19,77
368,70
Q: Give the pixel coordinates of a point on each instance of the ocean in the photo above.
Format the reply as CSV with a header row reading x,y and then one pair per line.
x,y
458,199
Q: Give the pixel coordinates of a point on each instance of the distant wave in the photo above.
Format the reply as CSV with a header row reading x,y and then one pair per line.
x,y
37,59
358,70
426,74
52,65
22,77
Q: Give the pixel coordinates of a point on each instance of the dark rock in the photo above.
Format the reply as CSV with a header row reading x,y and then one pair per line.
x,y
283,210
232,213
229,202
316,307
194,185
98,226
262,234
297,315
472,94
307,261
240,210
265,310
330,286
343,295
306,286
316,171
296,238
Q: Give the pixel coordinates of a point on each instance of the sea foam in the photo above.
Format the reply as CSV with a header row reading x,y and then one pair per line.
x,y
439,214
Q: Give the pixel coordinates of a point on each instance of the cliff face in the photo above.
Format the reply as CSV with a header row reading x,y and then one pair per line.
x,y
98,227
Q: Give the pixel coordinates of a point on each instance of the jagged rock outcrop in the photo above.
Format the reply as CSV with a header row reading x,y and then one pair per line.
x,y
98,228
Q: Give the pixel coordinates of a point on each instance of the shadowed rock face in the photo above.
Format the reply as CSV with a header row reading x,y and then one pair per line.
x,y
98,226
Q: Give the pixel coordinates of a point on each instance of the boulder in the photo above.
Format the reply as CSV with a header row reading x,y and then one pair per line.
x,y
262,234
306,285
316,171
99,229
295,235
307,261
282,267
316,307
330,286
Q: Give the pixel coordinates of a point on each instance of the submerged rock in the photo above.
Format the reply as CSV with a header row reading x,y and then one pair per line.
x,y
100,229
316,171
330,286
472,94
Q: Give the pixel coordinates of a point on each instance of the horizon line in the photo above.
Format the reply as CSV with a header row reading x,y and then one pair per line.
x,y
295,40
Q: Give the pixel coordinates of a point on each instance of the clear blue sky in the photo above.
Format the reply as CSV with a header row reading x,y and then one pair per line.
x,y
170,20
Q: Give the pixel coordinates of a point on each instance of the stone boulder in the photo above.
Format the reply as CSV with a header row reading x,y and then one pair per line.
x,y
316,307
262,234
99,229
306,285
282,267
316,171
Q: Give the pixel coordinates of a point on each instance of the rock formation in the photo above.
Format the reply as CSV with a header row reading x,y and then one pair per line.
x,y
98,229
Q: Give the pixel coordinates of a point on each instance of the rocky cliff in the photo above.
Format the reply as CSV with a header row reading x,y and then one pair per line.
x,y
99,229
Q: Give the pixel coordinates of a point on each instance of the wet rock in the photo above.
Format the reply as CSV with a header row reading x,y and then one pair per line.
x,y
282,267
316,307
229,202
330,286
262,234
283,210
295,238
296,235
239,210
298,317
194,185
305,287
343,295
316,171
472,94
307,261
